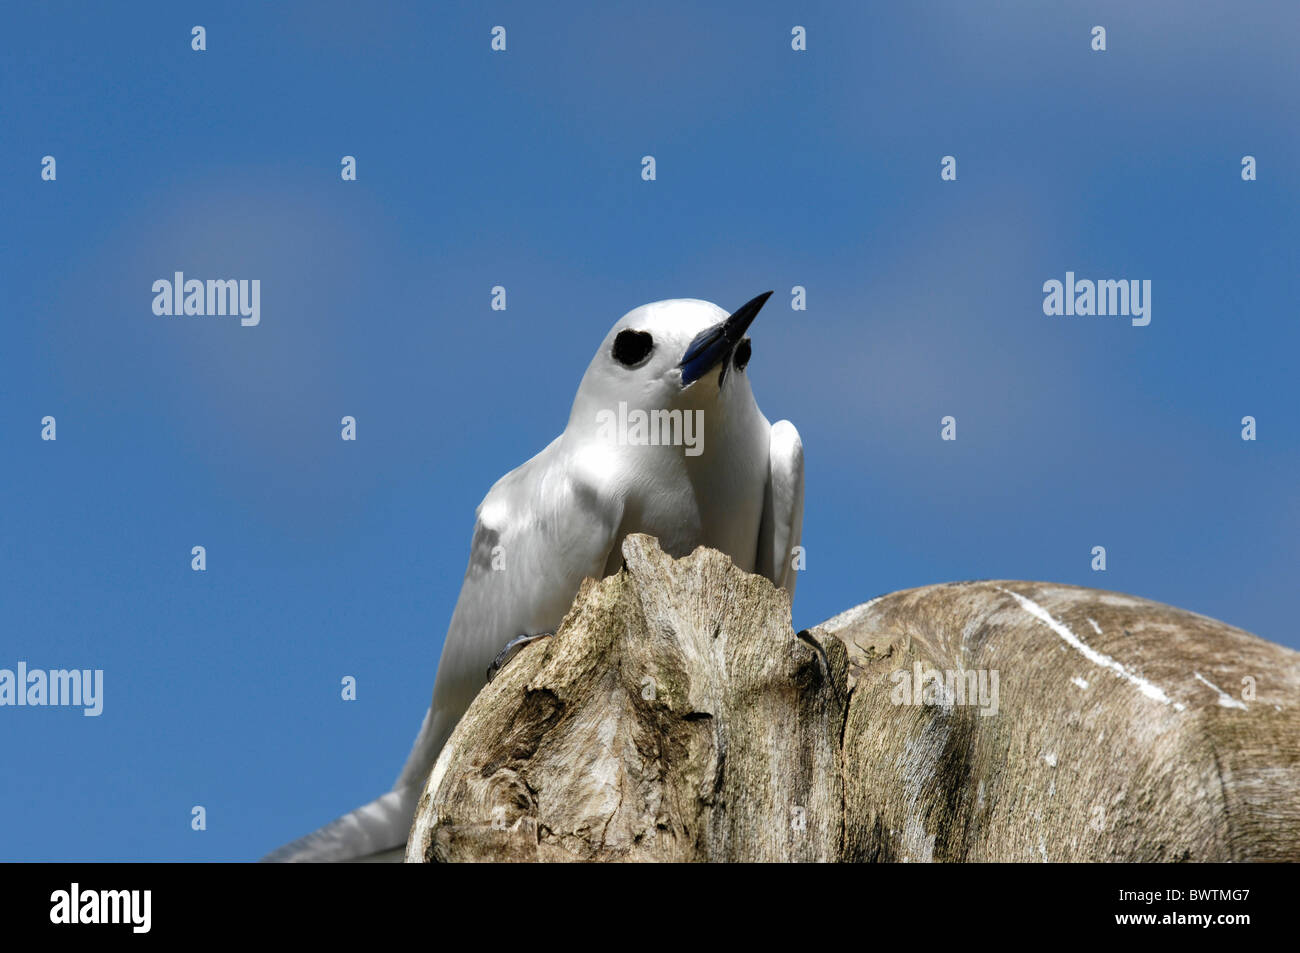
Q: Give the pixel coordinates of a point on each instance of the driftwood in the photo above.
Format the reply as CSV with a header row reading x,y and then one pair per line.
x,y
676,715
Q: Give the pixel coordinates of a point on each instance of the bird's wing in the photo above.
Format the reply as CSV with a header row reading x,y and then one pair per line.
x,y
540,530
782,523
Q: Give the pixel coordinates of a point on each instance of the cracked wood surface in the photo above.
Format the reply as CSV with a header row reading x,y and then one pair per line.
x,y
676,715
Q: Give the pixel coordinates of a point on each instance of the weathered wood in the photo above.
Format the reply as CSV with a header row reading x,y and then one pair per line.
x,y
673,716
1121,731
676,715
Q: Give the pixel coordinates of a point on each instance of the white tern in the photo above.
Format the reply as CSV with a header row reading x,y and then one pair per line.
x,y
664,438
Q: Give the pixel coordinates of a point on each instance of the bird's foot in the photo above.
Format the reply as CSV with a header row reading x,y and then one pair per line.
x,y
511,650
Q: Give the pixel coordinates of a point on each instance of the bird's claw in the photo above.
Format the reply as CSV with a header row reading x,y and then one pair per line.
x,y
511,650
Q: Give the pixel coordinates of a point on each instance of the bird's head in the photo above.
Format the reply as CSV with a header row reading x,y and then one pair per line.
x,y
678,354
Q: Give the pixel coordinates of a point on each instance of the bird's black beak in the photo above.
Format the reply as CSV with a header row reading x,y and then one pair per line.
x,y
716,344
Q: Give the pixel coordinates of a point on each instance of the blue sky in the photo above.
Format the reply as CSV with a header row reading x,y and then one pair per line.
x,y
775,169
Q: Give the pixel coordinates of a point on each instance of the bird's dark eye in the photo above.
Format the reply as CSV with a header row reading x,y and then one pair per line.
x,y
632,347
743,352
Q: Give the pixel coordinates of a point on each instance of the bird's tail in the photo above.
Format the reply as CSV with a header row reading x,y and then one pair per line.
x,y
375,832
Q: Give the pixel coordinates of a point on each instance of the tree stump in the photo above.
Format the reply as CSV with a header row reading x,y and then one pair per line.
x,y
676,715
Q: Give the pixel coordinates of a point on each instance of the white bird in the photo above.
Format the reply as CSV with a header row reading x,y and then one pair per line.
x,y
562,516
